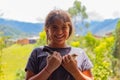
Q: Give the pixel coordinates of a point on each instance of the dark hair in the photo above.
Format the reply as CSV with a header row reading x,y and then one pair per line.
x,y
59,14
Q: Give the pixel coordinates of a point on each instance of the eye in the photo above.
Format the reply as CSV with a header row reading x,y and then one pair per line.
x,y
64,27
54,27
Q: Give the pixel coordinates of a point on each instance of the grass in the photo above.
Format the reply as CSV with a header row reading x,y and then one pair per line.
x,y
15,58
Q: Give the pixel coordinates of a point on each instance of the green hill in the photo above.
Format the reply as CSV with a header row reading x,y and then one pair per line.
x,y
10,31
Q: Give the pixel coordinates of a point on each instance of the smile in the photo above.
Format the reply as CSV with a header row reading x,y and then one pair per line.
x,y
59,37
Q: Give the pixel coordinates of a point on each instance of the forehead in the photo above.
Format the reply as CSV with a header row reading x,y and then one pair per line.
x,y
57,21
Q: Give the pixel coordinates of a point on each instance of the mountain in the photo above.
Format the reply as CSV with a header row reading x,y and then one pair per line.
x,y
9,31
99,28
12,28
17,29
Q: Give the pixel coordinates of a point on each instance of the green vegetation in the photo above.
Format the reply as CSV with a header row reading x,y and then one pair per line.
x,y
14,58
78,10
42,40
98,49
9,31
116,52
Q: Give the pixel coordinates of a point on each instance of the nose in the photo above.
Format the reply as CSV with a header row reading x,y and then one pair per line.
x,y
59,31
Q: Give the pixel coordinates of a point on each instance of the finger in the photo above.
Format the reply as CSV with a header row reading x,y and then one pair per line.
x,y
66,59
70,57
74,56
57,55
63,59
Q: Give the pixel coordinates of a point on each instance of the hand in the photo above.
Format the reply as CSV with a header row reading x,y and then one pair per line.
x,y
53,61
69,63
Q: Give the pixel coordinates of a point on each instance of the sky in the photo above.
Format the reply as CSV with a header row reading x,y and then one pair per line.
x,y
36,10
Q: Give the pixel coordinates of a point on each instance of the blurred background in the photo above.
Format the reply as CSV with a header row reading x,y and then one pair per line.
x,y
97,30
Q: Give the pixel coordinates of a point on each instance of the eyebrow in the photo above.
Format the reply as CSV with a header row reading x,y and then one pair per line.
x,y
64,24
67,23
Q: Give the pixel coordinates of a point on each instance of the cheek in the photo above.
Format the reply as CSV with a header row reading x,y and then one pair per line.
x,y
66,33
51,33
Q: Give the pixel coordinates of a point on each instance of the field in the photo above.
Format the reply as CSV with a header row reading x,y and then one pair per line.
x,y
15,58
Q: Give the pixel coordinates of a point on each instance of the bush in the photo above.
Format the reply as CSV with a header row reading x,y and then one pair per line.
x,y
20,74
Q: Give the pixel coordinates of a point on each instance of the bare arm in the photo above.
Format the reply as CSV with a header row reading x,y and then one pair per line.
x,y
70,65
53,62
43,75
86,75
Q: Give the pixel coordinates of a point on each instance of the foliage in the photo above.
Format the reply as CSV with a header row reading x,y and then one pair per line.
x,y
2,44
1,68
78,10
99,51
90,41
20,74
78,13
116,52
75,43
42,39
3,41
102,60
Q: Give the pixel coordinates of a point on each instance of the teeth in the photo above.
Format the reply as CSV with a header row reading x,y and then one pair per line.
x,y
59,36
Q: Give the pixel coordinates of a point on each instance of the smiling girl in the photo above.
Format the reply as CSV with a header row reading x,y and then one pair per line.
x,y
60,64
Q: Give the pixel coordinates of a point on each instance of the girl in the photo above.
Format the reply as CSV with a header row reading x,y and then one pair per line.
x,y
60,64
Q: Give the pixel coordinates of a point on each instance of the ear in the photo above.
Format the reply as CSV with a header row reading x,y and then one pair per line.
x,y
47,34
46,30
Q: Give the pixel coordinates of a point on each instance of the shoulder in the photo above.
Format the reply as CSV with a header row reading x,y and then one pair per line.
x,y
36,51
38,48
77,50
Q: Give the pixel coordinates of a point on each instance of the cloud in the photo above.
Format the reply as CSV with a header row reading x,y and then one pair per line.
x,y
116,14
35,10
94,16
1,13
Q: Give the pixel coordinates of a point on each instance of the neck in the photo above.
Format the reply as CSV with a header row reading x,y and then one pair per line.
x,y
58,46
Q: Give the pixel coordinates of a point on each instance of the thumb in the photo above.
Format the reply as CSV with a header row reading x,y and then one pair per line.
x,y
48,57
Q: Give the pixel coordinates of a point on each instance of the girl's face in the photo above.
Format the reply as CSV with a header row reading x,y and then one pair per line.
x,y
58,33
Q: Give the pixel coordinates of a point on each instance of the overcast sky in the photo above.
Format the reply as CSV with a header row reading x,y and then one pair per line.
x,y
36,10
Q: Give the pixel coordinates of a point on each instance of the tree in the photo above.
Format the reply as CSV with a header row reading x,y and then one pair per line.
x,y
116,52
78,13
2,42
42,40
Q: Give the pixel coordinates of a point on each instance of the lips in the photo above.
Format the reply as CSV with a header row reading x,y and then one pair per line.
x,y
59,37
